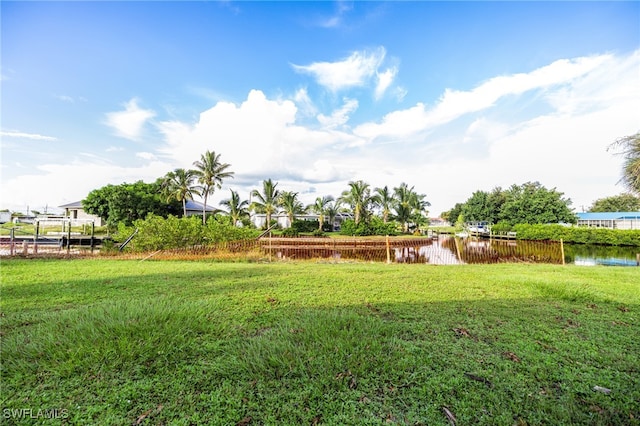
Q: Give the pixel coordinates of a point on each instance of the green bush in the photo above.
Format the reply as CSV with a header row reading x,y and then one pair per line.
x,y
318,233
501,228
375,226
301,226
290,232
581,235
158,233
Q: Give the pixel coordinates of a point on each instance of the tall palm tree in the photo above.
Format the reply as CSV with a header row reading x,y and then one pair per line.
x,y
359,197
630,151
385,200
210,172
320,207
332,210
409,206
403,200
179,185
236,208
266,201
291,205
419,209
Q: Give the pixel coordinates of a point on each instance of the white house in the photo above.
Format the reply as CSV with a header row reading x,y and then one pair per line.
x,y
5,217
611,220
75,211
194,208
259,219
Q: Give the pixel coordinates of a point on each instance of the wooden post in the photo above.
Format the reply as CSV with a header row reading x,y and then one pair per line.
x,y
69,238
638,259
12,242
35,238
562,250
93,228
388,251
455,239
25,247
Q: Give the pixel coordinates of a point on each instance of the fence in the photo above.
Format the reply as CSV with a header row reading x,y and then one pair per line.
x,y
442,250
38,241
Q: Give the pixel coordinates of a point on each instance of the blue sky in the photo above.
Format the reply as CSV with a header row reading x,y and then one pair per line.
x,y
450,97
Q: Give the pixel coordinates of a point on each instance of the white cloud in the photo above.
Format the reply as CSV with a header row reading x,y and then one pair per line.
x,y
385,78
261,140
129,123
342,7
454,104
304,103
146,155
356,70
57,184
65,98
340,116
32,136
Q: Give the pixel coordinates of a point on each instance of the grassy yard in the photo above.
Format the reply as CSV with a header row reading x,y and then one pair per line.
x,y
114,342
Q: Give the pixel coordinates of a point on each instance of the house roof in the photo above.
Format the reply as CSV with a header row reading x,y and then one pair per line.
x,y
197,207
191,206
609,215
74,205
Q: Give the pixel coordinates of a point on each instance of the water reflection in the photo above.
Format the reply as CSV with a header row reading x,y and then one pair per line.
x,y
450,250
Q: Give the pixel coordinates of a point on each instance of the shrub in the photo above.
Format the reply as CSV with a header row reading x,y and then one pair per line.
x,y
374,227
501,228
305,225
575,234
290,232
158,233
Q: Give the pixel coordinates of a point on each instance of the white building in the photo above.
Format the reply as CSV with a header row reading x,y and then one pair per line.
x,y
610,220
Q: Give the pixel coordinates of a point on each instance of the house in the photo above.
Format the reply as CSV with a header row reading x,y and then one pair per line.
x,y
435,222
259,219
194,208
5,217
75,211
610,220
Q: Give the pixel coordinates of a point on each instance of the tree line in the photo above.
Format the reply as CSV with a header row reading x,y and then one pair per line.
x,y
169,194
527,203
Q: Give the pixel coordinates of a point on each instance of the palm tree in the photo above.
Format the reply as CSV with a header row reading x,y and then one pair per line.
x,y
267,201
291,205
178,185
630,146
359,197
409,206
385,200
332,210
403,200
210,172
236,208
320,207
419,209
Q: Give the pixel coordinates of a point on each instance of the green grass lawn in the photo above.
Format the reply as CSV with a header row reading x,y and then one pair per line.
x,y
114,342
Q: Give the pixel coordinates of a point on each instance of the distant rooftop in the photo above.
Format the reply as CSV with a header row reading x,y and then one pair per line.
x,y
74,205
608,215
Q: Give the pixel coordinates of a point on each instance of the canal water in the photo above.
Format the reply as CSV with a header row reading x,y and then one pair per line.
x,y
445,250
451,250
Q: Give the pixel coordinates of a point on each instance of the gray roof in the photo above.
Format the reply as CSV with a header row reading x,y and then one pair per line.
x,y
196,206
74,205
608,215
191,205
